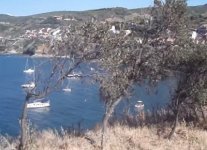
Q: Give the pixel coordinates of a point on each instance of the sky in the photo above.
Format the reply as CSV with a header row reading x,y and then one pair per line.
x,y
30,7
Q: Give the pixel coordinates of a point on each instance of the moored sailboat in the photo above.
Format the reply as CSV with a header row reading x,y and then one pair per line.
x,y
30,85
39,103
67,88
27,69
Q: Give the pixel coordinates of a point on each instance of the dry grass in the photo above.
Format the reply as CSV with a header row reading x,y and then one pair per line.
x,y
6,143
122,138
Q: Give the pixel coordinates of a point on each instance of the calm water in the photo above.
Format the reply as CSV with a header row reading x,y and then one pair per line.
x,y
67,109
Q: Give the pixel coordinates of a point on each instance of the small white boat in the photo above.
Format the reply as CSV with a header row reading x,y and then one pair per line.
x,y
39,103
30,85
139,105
74,76
29,71
67,89
92,69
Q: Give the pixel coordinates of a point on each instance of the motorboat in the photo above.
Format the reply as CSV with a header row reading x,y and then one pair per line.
x,y
30,85
39,103
139,105
29,71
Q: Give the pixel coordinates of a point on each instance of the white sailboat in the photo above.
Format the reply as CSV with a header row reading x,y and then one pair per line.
x,y
67,89
74,75
30,85
39,103
28,70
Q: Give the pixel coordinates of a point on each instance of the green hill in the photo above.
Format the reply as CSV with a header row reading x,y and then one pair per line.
x,y
100,14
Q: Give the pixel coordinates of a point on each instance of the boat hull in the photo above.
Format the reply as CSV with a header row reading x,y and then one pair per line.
x,y
67,90
29,86
38,105
29,71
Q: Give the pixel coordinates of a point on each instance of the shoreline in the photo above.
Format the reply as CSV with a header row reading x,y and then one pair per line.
x,y
35,55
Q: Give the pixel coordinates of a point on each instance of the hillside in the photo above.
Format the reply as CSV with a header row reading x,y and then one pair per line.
x,y
104,13
17,32
198,10
99,14
198,14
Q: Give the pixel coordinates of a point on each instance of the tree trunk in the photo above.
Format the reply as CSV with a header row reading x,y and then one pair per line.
x,y
23,125
203,114
175,124
176,119
109,111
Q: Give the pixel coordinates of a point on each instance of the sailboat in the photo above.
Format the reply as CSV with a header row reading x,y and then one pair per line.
x,y
39,103
29,85
74,75
67,89
28,70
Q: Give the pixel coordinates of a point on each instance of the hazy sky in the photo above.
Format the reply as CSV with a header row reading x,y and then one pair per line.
x,y
28,7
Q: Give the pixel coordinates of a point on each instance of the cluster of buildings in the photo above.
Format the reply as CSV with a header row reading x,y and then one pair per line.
x,y
48,34
44,34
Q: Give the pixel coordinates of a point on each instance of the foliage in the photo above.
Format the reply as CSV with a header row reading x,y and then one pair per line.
x,y
50,20
153,49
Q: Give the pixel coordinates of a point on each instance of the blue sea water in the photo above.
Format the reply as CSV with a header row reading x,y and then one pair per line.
x,y
81,105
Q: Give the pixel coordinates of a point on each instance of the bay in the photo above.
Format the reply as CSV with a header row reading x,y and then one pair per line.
x,y
82,105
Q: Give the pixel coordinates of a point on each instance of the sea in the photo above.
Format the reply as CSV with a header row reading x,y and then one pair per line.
x,y
82,107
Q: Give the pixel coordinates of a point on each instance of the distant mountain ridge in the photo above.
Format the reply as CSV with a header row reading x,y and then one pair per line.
x,y
98,13
199,10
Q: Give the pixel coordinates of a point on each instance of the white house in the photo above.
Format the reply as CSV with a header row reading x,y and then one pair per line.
x,y
113,29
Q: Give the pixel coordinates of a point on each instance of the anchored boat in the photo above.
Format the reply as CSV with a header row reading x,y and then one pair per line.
x,y
67,88
139,104
39,103
28,70
30,85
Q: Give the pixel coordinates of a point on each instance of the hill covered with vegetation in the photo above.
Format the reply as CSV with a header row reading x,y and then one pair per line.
x,y
16,32
100,14
132,53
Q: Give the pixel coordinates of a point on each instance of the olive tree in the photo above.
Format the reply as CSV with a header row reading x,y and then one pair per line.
x,y
67,55
130,53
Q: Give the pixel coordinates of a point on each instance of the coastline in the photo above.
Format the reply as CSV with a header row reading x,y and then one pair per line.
x,y
35,55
